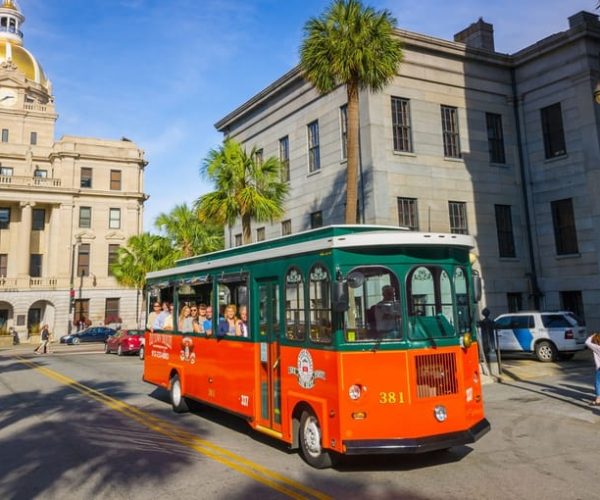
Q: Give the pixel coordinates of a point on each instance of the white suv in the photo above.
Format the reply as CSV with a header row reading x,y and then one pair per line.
x,y
549,335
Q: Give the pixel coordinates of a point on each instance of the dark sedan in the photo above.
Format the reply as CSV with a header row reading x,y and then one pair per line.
x,y
92,334
124,342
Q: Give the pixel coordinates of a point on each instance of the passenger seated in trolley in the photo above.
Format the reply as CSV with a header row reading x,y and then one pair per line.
x,y
227,325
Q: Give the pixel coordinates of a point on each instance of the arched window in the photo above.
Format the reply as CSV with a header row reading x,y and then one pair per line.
x,y
320,304
295,321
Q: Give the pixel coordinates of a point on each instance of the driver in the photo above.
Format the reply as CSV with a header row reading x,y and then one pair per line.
x,y
387,311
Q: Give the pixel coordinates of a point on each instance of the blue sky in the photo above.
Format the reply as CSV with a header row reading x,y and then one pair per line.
x,y
163,72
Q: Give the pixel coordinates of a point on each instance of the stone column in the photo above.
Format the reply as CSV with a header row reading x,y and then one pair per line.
x,y
24,246
53,246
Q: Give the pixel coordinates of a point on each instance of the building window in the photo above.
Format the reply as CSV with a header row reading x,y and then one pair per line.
x,y
111,311
86,177
514,301
504,229
284,158
401,124
115,180
6,171
4,218
113,254
114,218
565,233
450,132
4,135
552,128
38,219
33,138
238,240
495,137
407,213
81,314
458,217
35,265
573,301
40,173
286,227
259,157
344,130
316,219
85,217
314,159
3,264
83,260
260,234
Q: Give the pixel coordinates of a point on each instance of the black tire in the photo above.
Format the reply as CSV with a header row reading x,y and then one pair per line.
x,y
311,442
178,401
141,353
76,340
106,349
546,351
120,350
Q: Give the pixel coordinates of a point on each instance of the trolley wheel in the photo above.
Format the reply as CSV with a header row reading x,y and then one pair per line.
x,y
546,351
141,353
120,350
311,443
106,349
178,402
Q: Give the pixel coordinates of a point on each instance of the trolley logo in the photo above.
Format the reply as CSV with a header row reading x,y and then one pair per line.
x,y
305,371
187,350
160,341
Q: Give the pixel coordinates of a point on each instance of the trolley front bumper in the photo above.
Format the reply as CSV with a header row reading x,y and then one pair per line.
x,y
417,445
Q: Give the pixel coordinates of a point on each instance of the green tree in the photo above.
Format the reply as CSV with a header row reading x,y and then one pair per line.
x,y
245,186
144,253
187,233
352,45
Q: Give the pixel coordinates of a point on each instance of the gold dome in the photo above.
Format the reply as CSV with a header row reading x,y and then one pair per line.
x,y
24,61
9,4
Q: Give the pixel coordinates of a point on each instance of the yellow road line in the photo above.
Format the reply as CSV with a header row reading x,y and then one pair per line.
x,y
268,477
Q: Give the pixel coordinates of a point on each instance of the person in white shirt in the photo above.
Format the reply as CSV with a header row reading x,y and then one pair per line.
x,y
593,344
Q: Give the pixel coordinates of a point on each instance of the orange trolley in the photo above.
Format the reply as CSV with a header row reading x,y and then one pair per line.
x,y
359,340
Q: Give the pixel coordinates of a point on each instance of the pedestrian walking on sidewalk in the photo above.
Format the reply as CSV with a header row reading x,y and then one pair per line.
x,y
593,344
44,346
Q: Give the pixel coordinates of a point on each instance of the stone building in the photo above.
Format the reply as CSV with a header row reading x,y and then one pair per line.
x,y
65,206
464,140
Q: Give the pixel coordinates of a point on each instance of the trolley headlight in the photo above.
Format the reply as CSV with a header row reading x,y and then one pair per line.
x,y
440,413
466,340
354,392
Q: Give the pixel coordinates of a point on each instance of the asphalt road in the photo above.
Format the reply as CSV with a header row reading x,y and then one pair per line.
x,y
81,424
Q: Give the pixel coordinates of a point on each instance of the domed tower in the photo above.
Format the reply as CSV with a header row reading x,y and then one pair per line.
x,y
25,91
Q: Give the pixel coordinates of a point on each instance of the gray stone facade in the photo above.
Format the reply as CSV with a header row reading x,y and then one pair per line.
x,y
467,80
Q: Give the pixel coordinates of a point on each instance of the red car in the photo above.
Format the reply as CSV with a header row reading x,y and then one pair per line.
x,y
124,342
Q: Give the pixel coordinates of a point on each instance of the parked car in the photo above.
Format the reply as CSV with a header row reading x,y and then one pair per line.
x,y
91,334
124,342
550,335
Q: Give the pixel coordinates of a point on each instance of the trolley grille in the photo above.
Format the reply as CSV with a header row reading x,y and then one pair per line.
x,y
436,375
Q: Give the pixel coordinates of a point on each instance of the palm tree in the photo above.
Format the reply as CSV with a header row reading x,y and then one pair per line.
x,y
144,253
246,187
190,236
355,46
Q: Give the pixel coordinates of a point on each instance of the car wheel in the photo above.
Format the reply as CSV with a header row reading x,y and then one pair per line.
x,y
545,351
311,442
141,353
106,348
76,340
178,401
120,350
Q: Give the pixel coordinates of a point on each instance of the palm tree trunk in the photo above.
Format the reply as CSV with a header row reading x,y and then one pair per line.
x,y
352,162
246,229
